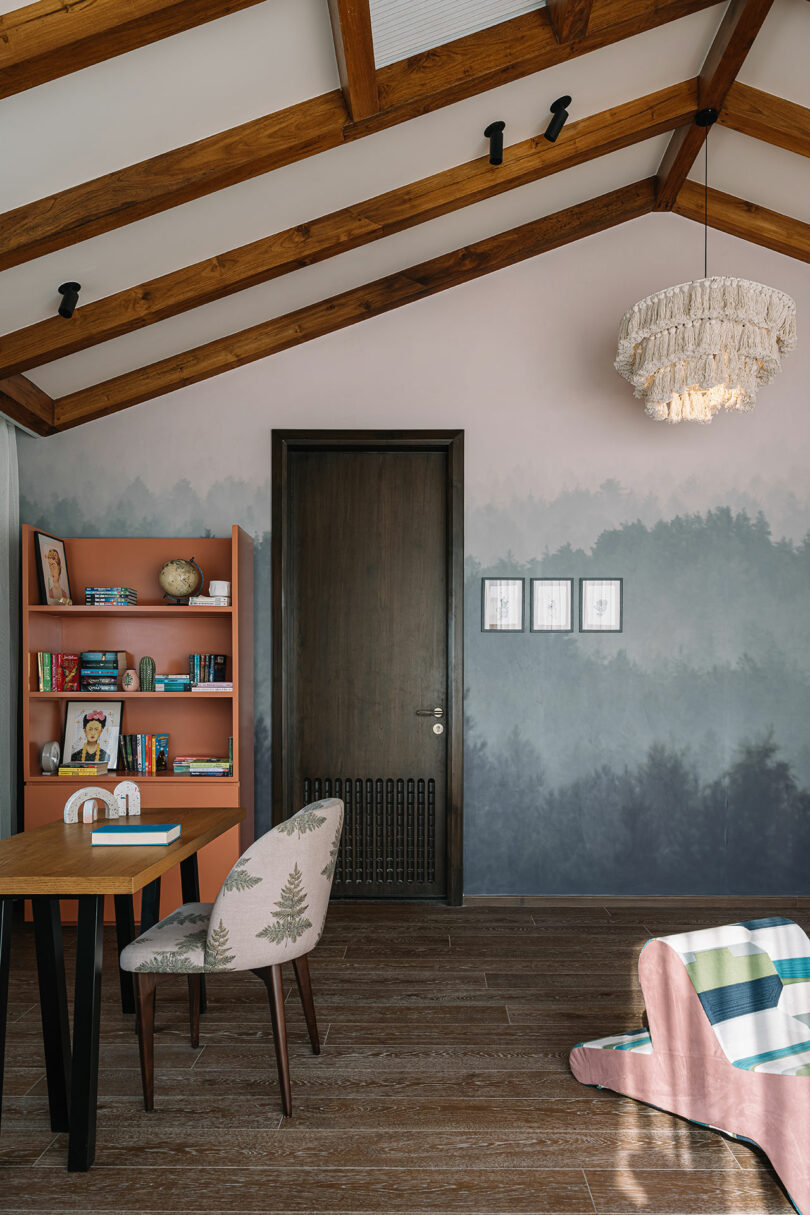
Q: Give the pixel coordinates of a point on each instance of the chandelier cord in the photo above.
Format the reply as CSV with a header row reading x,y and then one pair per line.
x,y
706,205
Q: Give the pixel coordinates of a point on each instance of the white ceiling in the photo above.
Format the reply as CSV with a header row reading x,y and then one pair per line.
x,y
778,61
280,52
359,170
165,95
351,269
758,172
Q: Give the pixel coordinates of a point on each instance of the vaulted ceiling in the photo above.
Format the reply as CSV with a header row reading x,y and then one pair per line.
x,y
227,178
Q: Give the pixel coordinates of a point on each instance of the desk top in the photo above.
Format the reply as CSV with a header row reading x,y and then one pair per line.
x,y
58,858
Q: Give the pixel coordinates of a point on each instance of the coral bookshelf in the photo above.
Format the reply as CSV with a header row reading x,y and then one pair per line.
x,y
196,722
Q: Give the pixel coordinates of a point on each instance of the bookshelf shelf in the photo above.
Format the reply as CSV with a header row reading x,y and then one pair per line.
x,y
131,695
142,609
140,778
198,723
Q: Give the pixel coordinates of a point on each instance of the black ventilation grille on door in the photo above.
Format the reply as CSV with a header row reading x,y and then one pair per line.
x,y
389,832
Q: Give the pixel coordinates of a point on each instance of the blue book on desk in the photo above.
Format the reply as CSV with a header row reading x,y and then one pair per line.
x,y
136,833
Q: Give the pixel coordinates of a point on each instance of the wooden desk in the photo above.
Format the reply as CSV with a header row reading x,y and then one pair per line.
x,y
57,861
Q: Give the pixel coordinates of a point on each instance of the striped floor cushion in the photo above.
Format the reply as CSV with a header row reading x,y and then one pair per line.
x,y
753,981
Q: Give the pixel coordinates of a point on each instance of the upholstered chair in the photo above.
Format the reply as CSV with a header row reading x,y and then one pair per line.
x,y
271,909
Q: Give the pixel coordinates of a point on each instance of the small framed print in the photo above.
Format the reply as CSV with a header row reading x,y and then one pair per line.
x,y
502,605
552,605
52,569
91,732
601,605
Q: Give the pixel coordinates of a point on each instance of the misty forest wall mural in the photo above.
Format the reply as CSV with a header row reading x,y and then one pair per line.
x,y
670,758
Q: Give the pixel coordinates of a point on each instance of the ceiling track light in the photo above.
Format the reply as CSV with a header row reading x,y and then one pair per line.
x,y
70,298
494,133
559,112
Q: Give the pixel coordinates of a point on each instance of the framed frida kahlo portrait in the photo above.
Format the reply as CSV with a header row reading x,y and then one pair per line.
x,y
601,605
92,728
52,569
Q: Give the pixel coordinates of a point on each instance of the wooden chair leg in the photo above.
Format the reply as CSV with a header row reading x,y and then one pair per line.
x,y
194,1000
271,977
145,1001
301,966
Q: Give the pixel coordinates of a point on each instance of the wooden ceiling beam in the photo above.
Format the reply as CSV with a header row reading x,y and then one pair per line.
x,y
372,299
738,29
748,220
170,179
26,404
763,116
53,38
413,86
349,228
507,52
569,18
354,51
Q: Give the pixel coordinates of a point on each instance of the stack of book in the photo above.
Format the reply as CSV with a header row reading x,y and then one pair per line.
x,y
202,765
58,672
80,767
101,670
172,683
210,601
148,753
110,596
206,668
213,686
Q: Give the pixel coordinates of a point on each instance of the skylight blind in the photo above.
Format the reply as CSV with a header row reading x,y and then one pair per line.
x,y
405,27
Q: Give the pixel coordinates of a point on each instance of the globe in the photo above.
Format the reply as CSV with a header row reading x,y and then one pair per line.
x,y
179,579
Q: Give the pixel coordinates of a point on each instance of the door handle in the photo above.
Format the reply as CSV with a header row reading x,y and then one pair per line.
x,y
437,712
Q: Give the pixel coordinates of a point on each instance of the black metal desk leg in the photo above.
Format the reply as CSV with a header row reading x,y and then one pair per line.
x,y
190,887
53,1007
125,934
150,905
86,1018
6,908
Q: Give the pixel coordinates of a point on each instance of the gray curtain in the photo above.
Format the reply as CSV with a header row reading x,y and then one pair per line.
x,y
9,624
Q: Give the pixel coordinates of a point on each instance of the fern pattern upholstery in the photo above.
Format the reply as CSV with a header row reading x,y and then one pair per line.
x,y
728,1043
270,909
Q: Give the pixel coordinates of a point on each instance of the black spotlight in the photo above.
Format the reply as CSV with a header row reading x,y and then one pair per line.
x,y
70,298
559,110
494,133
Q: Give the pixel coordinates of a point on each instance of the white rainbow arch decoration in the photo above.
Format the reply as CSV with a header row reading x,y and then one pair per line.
x,y
93,793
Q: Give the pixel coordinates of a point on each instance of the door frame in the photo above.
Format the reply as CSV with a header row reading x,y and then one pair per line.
x,y
451,442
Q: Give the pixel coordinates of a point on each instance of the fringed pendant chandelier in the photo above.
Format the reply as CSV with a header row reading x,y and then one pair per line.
x,y
707,345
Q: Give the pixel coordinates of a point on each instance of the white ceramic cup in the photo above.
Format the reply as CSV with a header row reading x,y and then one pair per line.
x,y
219,588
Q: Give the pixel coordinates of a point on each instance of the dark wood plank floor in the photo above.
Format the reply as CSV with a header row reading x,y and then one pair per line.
x,y
443,1085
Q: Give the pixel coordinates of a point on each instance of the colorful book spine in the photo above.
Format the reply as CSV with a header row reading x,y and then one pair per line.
x,y
69,672
161,752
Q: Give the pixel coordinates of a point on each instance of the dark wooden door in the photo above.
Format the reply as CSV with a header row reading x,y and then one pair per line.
x,y
368,562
